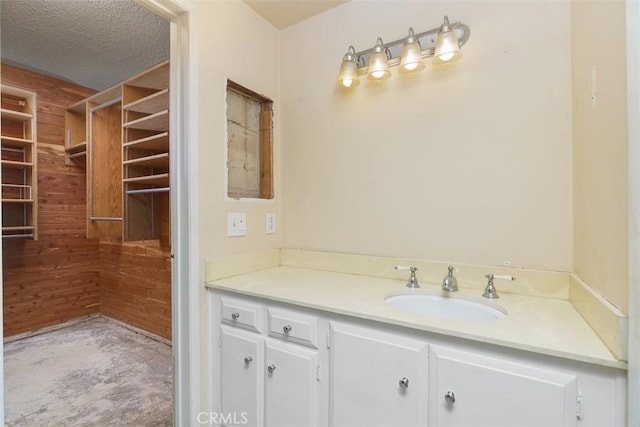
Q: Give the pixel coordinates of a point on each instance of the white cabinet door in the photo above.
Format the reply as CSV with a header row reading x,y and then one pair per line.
x,y
291,386
469,390
377,378
241,380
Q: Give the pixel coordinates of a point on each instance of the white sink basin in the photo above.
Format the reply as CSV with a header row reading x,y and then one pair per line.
x,y
446,307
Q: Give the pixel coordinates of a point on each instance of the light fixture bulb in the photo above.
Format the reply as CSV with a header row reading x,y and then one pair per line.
x,y
378,62
348,74
411,55
447,48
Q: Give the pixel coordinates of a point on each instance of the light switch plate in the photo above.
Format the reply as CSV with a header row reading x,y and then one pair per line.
x,y
236,224
270,225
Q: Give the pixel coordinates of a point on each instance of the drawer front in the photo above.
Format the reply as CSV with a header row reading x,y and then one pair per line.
x,y
293,326
241,314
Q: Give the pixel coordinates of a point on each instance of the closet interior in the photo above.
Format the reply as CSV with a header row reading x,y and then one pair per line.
x,y
85,201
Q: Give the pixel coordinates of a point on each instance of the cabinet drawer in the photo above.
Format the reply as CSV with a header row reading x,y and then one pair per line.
x,y
293,326
241,314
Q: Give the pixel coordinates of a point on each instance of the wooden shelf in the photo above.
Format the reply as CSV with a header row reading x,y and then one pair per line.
x,y
106,95
15,115
19,228
77,149
159,142
158,121
16,142
150,104
17,200
16,165
154,161
159,179
156,77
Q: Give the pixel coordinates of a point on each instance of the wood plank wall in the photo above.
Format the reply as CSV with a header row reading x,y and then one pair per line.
x,y
135,282
63,275
55,278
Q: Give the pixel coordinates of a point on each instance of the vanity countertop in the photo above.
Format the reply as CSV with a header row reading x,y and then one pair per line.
x,y
548,326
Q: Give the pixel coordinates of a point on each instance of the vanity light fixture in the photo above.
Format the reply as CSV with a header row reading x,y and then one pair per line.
x,y
442,43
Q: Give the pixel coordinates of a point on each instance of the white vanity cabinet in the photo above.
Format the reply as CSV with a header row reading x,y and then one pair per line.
x,y
469,389
283,365
377,378
267,370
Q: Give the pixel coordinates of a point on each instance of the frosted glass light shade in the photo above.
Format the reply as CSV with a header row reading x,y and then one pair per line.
x,y
378,63
447,49
411,55
348,74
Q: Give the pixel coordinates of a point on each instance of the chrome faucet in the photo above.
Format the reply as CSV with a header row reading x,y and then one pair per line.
x,y
413,281
450,283
490,291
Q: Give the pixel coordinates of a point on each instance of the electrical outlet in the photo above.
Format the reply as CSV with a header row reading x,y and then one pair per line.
x,y
270,226
236,224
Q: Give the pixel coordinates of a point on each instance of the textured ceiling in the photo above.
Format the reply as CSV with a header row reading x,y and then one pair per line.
x,y
98,43
283,13
94,43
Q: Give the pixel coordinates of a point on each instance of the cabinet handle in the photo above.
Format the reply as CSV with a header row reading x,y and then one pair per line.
x,y
248,360
271,368
235,316
404,383
286,329
450,397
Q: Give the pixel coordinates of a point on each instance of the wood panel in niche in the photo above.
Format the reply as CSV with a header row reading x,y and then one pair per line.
x,y
55,278
249,143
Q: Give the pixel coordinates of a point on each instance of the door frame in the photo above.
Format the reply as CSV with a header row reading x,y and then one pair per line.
x,y
185,266
633,112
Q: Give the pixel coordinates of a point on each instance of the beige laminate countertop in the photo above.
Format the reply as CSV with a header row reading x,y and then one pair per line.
x,y
543,325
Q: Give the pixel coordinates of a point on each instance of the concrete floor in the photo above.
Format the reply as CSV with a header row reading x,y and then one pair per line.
x,y
93,373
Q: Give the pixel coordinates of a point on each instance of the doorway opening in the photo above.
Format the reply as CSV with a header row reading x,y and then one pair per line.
x,y
88,258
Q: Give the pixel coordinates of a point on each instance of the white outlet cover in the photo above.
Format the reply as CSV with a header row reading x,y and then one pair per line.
x,y
270,223
236,224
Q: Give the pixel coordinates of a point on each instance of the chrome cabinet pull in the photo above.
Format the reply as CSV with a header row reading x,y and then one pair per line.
x,y
286,329
450,397
235,316
271,368
404,383
248,360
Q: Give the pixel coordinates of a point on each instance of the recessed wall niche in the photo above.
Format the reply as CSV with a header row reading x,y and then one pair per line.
x,y
249,143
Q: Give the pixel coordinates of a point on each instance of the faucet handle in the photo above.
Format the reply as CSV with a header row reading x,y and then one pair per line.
x,y
413,281
500,277
450,283
490,291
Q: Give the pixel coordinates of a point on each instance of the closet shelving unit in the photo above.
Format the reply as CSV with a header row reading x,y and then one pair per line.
x,y
122,136
93,140
145,155
18,160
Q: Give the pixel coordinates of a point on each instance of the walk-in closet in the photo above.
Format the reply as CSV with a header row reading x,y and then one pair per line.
x,y
86,227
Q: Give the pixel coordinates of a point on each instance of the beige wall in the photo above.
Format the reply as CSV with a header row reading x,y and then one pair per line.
x,y
231,41
468,163
600,147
